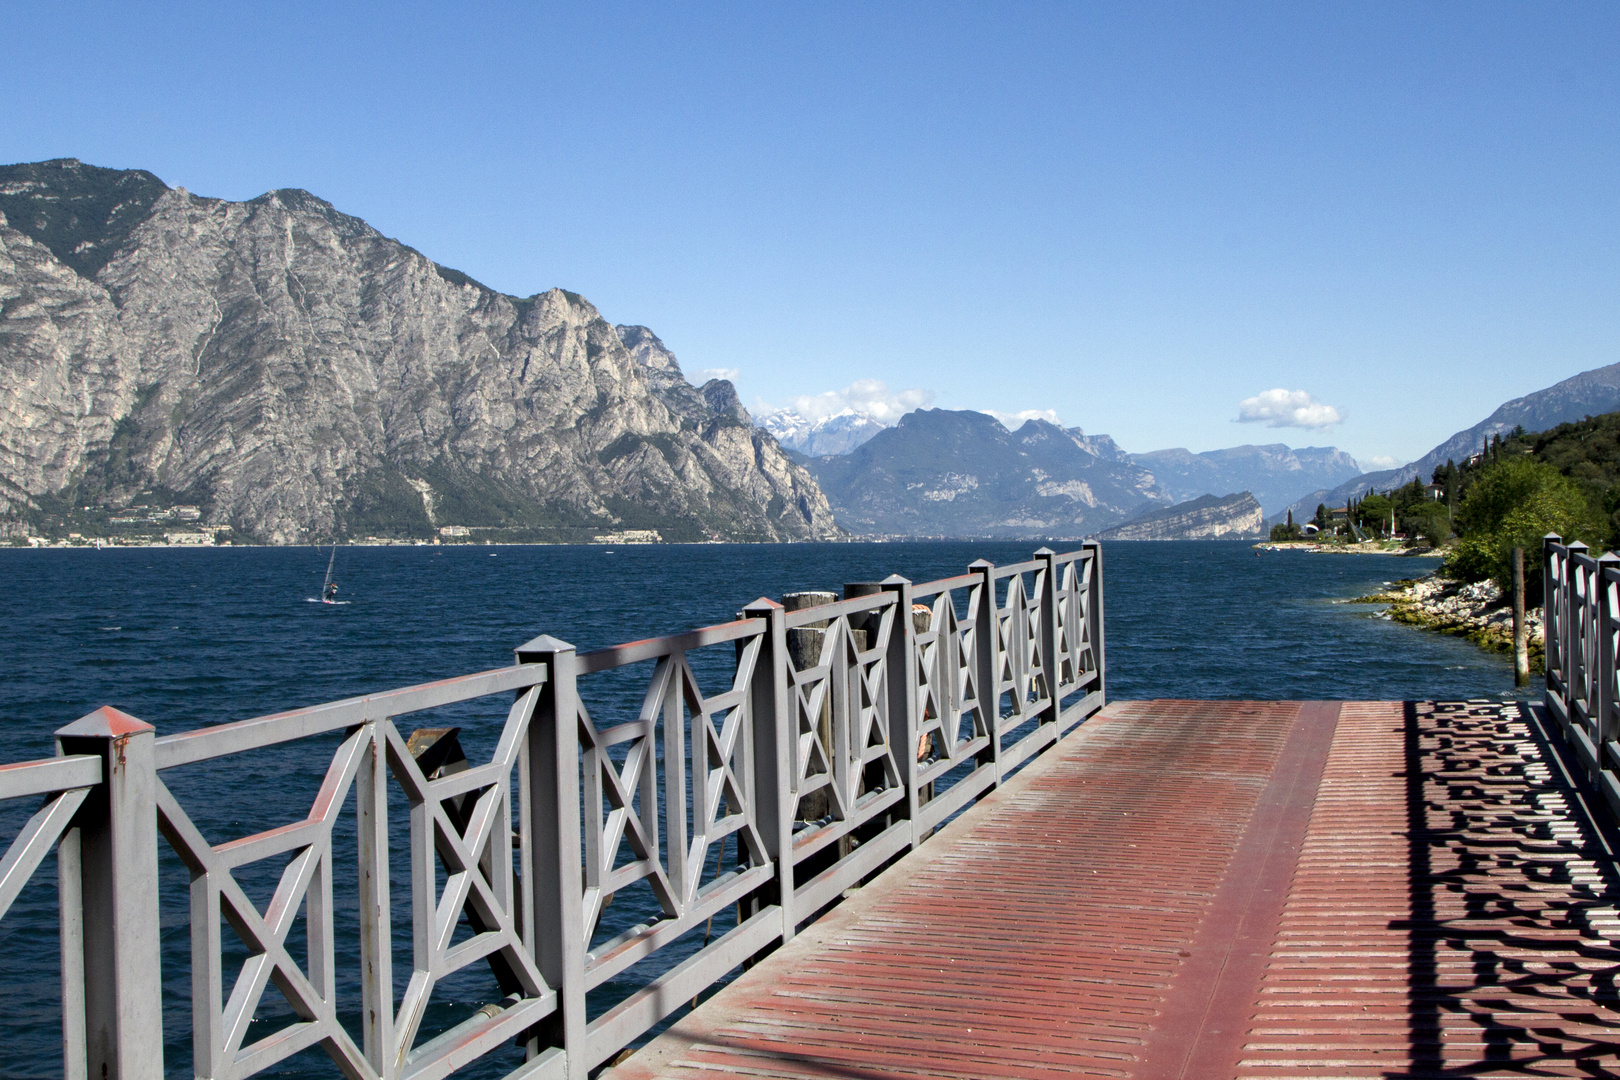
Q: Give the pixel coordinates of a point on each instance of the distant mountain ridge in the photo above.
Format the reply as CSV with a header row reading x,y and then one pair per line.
x,y
1275,474
1104,483
295,374
963,474
1590,393
839,433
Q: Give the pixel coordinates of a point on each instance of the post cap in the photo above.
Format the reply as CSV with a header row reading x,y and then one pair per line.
x,y
980,564
105,723
1043,551
895,579
764,603
541,646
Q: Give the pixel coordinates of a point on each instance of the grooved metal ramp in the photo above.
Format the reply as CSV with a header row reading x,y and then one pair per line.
x,y
1215,889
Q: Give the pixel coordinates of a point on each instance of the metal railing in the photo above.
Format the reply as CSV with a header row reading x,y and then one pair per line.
x,y
1581,634
817,767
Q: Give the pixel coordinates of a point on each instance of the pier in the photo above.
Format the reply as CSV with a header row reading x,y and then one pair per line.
x,y
903,833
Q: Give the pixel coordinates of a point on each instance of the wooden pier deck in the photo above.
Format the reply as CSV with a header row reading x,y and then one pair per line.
x,y
1216,889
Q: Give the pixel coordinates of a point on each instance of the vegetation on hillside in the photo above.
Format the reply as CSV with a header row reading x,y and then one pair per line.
x,y
1564,480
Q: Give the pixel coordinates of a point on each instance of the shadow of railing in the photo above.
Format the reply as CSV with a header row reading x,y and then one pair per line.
x,y
1482,849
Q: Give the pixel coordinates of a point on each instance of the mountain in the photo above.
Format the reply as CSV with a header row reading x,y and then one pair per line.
x,y
1209,517
944,473
1275,474
295,374
839,433
1103,446
1591,393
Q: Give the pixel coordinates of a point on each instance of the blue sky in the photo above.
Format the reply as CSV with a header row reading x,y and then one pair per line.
x,y
1136,216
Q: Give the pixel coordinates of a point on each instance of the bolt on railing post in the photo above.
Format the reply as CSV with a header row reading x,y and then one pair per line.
x,y
1094,616
902,679
118,893
1051,664
551,828
987,656
772,716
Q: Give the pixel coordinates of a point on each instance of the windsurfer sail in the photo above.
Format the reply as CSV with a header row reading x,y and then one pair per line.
x,y
329,588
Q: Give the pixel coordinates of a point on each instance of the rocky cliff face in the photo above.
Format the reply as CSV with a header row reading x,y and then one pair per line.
x,y
945,473
298,375
1208,518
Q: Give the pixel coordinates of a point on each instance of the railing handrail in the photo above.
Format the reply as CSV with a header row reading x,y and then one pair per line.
x,y
932,588
24,779
634,652
222,740
868,718
1001,573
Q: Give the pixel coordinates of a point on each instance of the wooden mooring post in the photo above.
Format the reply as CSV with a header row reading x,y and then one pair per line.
x,y
1521,643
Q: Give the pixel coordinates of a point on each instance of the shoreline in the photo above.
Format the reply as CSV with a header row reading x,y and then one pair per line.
x,y
1365,547
1478,612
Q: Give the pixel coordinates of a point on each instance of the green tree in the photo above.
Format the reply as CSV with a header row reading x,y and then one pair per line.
x,y
1429,519
1513,502
1372,513
1286,531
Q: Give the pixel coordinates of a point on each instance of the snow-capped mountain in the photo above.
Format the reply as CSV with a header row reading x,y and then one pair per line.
x,y
839,433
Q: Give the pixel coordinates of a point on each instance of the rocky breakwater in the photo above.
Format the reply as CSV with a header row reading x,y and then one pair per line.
x,y
1479,611
295,375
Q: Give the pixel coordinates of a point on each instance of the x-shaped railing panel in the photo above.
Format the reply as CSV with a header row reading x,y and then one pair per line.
x,y
1020,667
947,673
477,859
846,683
702,736
220,1028
1072,615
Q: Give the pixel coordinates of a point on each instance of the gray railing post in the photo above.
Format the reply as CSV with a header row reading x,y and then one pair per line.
x,y
1094,615
772,717
1051,664
902,679
987,656
1608,564
551,827
1552,620
118,890
376,908
1574,647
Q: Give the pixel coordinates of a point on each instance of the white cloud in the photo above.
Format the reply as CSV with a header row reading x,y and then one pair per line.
x,y
1287,408
703,375
1015,420
1379,463
865,397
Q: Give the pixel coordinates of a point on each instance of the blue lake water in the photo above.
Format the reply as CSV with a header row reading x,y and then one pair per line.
x,y
183,638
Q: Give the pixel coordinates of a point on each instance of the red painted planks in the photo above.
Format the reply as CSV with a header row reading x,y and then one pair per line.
x,y
1214,889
